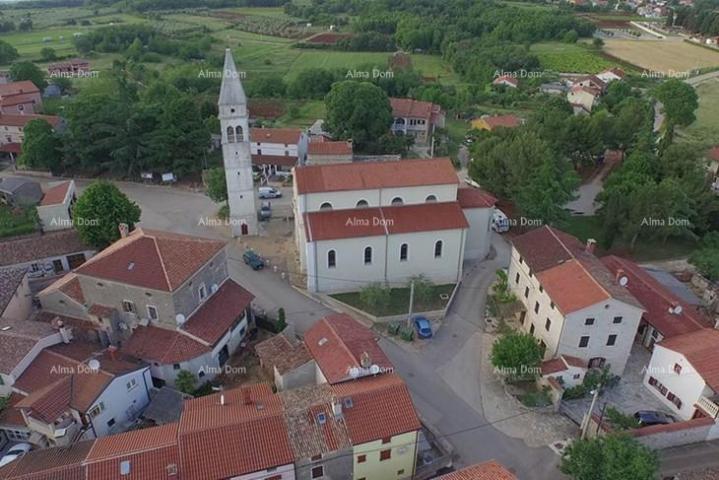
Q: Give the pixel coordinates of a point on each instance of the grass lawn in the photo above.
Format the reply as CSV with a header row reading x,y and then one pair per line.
x,y
306,113
17,221
570,57
399,302
645,249
705,129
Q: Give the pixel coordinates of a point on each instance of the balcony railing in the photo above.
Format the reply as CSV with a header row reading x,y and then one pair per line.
x,y
709,406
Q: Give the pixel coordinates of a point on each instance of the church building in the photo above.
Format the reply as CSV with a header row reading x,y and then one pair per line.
x,y
364,222
236,152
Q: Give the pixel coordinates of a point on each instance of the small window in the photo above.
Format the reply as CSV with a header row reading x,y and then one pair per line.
x,y
321,418
526,292
531,329
547,324
368,256
238,133
611,340
589,321
348,402
318,471
385,455
677,368
541,289
152,312
361,458
438,249
202,291
516,279
176,366
403,252
331,259
576,376
617,320
131,384
521,260
230,135
551,305
397,201
128,306
400,472
386,440
111,422
362,203
430,199
326,206
583,342
536,307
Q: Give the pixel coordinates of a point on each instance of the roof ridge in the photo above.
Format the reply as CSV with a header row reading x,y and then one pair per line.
x,y
162,260
339,338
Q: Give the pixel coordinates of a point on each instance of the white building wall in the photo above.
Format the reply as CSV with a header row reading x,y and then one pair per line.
x,y
285,472
479,236
379,197
20,304
688,385
122,404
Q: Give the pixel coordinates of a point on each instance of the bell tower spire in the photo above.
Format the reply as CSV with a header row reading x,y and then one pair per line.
x,y
236,156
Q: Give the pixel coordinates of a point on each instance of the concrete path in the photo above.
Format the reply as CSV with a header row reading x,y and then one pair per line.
x,y
690,458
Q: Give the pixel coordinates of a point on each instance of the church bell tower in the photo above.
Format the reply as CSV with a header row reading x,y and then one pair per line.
x,y
236,156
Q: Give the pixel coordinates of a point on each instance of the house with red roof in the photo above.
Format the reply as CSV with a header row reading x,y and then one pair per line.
x,y
165,298
416,118
611,75
364,222
684,374
55,207
276,149
491,470
12,129
493,122
507,81
572,303
20,98
321,151
367,428
583,97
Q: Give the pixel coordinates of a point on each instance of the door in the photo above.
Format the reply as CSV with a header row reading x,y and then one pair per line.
x,y
224,355
244,229
597,362
57,266
75,260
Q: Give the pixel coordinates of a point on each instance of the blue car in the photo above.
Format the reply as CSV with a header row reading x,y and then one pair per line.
x,y
423,327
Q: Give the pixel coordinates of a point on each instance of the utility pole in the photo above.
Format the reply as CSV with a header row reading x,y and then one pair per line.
x,y
585,425
411,303
431,148
601,419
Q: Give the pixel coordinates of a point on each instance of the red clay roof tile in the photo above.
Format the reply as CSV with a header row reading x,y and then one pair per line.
x,y
490,470
163,345
218,314
701,349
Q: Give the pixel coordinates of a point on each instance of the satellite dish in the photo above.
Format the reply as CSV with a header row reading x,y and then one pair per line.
x,y
180,318
354,372
623,281
94,365
678,309
214,288
374,369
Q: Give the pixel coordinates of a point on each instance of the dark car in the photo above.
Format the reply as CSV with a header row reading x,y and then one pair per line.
x,y
253,260
423,327
646,418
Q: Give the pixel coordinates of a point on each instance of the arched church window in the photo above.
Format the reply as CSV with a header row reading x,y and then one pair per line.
x,y
240,135
230,135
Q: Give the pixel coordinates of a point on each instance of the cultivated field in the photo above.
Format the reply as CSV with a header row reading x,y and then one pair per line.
x,y
570,58
662,55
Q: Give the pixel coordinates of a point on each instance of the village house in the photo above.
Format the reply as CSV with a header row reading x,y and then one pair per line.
x,y
19,192
567,370
12,129
250,433
416,118
493,122
683,374
507,81
45,254
276,149
20,98
571,302
321,151
593,82
666,315
583,98
491,470
365,222
163,298
71,68
55,207
611,75
15,296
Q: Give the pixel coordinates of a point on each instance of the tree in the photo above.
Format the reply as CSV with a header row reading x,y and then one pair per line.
x,y
423,288
41,147
517,356
216,184
609,458
48,54
706,257
8,53
185,382
281,320
25,24
99,212
359,111
679,99
375,297
28,71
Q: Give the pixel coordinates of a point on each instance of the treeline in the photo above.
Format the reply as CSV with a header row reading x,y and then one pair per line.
x,y
148,5
702,17
142,39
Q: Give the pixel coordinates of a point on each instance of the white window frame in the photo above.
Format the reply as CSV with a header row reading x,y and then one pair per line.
x,y
151,308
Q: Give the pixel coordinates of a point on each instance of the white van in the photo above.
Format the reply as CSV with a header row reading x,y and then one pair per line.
x,y
269,192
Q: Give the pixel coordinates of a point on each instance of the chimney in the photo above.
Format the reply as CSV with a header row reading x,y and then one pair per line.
x,y
112,351
591,245
222,399
365,360
124,230
65,333
246,398
336,408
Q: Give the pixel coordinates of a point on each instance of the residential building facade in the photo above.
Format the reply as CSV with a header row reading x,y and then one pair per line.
x,y
55,208
45,255
20,98
416,118
275,149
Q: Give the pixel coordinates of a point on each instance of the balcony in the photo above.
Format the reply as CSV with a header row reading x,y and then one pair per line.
x,y
709,405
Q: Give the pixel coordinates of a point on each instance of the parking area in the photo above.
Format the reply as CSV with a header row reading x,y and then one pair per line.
x,y
629,396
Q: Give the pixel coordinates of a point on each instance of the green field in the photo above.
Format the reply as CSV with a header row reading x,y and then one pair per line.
x,y
570,58
399,301
705,130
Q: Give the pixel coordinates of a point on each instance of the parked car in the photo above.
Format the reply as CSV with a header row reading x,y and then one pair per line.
x,y
265,211
269,192
646,418
253,260
423,327
15,452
